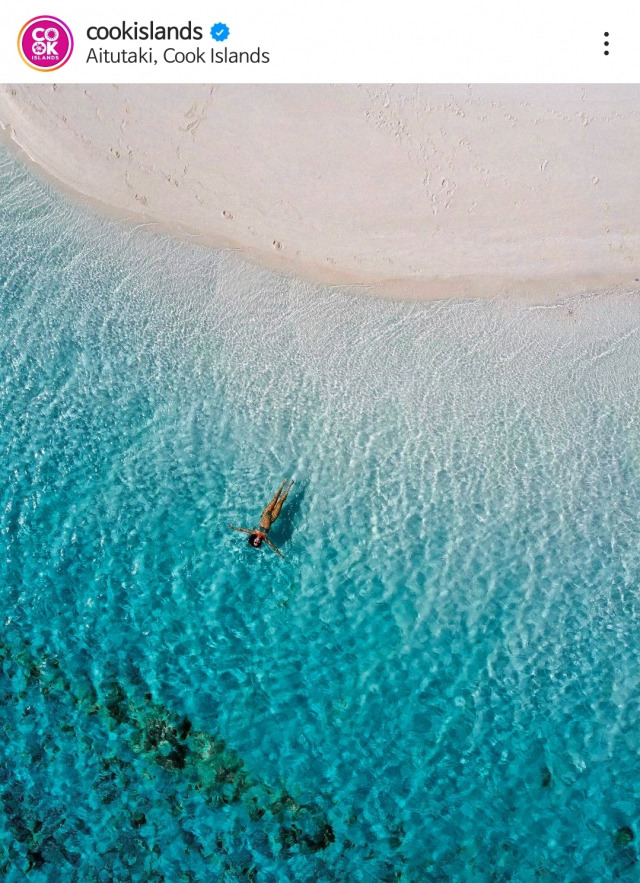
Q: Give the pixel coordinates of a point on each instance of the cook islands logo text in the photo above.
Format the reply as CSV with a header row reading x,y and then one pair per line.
x,y
45,43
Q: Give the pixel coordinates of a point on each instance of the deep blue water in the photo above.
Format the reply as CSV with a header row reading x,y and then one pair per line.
x,y
439,682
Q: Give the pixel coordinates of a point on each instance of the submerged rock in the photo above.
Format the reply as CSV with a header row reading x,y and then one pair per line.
x,y
545,777
184,728
176,758
116,704
138,819
36,860
397,835
624,836
323,838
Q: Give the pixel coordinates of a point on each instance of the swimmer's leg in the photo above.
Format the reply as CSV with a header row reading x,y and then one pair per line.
x,y
276,510
269,507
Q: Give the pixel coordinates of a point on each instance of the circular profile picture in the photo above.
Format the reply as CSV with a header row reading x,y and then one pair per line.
x,y
45,43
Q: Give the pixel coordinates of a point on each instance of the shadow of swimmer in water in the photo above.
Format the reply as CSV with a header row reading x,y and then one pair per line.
x,y
258,535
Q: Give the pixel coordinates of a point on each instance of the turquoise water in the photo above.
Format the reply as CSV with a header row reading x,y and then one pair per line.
x,y
440,681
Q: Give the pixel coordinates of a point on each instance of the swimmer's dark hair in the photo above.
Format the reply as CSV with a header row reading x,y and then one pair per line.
x,y
255,540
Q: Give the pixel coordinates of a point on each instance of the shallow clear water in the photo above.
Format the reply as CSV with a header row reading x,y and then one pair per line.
x,y
440,681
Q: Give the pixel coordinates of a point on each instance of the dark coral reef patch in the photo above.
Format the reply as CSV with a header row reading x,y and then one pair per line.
x,y
194,764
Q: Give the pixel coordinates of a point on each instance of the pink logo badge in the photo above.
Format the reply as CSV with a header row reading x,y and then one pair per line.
x,y
45,43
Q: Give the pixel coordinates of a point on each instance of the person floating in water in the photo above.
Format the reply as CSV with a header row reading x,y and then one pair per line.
x,y
269,514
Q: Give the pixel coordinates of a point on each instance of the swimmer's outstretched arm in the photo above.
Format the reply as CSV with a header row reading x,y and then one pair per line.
x,y
243,529
271,546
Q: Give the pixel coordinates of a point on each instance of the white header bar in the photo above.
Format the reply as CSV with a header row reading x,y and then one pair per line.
x,y
291,42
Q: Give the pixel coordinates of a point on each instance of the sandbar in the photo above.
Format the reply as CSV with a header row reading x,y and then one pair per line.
x,y
418,191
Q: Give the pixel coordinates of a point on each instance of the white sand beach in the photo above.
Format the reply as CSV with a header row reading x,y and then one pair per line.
x,y
422,191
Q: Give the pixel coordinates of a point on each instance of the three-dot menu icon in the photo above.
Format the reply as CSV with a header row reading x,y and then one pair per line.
x,y
606,42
